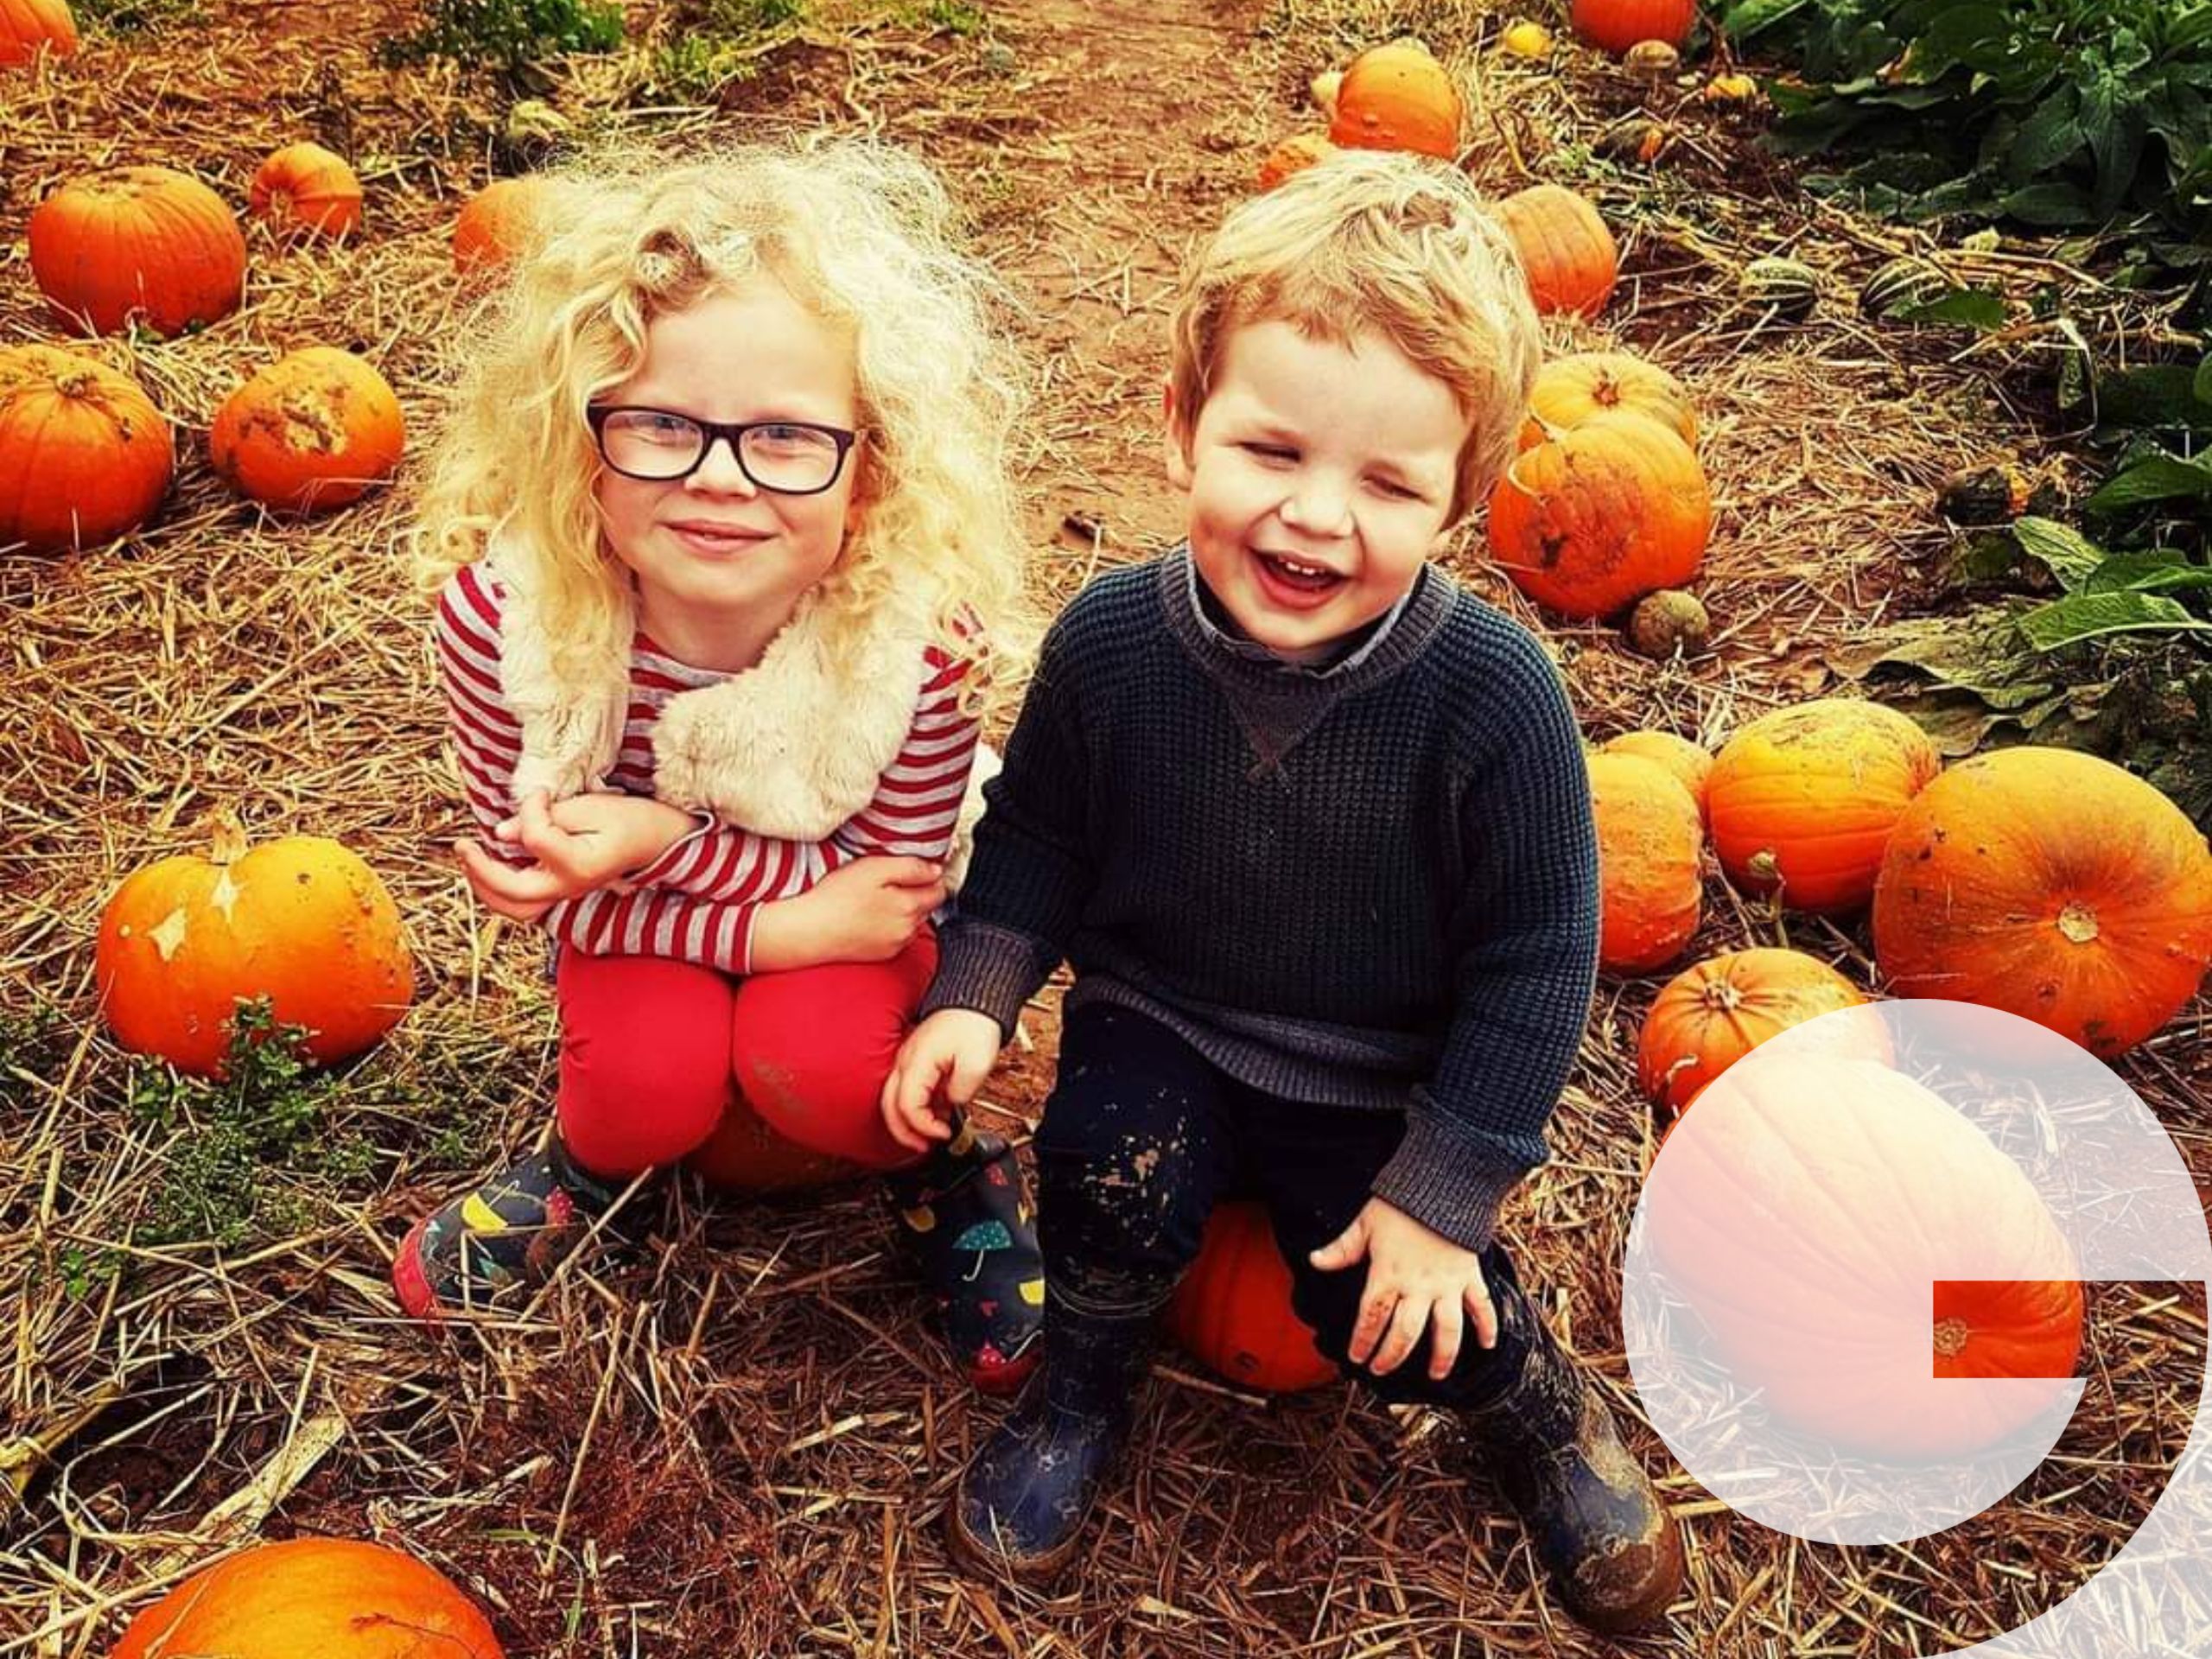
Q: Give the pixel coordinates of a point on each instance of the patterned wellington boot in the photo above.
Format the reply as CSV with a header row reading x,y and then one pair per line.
x,y
1613,1551
965,1215
512,1230
1019,1512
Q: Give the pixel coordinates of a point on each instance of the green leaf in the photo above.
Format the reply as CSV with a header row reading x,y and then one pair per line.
x,y
2091,616
2161,478
2164,395
2064,551
1753,16
2200,387
1977,36
2050,204
2147,573
2046,138
1981,652
1975,308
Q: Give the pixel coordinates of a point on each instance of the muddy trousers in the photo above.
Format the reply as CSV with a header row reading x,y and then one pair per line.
x,y
1143,1136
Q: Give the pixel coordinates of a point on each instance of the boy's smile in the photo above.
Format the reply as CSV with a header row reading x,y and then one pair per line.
x,y
1320,478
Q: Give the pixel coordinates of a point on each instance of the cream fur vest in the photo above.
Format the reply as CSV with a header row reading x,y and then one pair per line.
x,y
791,748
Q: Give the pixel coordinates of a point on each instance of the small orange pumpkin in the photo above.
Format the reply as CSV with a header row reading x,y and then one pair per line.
x,y
1293,155
83,453
744,1155
1709,1016
1570,390
313,429
1648,847
1690,763
301,920
1616,25
148,241
1600,516
1398,97
1232,1310
29,27
495,223
2051,885
333,1598
305,187
1802,800
1569,255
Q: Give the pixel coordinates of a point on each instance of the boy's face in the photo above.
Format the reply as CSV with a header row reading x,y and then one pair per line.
x,y
1320,478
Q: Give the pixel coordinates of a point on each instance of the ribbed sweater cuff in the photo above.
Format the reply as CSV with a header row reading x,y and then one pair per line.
x,y
992,969
1448,1179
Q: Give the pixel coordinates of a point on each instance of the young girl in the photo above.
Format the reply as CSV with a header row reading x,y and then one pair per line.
x,y
726,560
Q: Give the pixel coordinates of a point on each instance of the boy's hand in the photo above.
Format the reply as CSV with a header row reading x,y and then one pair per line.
x,y
954,1047
1417,1278
870,909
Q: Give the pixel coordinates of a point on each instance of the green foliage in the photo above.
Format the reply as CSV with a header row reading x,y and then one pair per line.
x,y
508,35
30,1053
2053,113
722,41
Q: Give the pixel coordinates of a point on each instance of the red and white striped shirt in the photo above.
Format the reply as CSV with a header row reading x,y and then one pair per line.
x,y
697,902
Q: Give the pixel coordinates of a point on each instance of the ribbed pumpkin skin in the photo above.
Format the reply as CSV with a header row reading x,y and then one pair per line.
x,y
1804,799
494,223
2051,885
145,239
744,1155
1571,390
1569,255
83,453
27,26
328,1598
314,429
1232,1309
301,919
1397,97
1596,519
1648,847
1709,1016
1690,764
307,187
1616,25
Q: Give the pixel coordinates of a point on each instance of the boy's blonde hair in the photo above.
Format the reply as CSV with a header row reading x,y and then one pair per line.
x,y
862,235
1374,239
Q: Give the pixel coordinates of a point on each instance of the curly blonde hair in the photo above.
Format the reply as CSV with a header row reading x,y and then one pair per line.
x,y
860,233
1374,239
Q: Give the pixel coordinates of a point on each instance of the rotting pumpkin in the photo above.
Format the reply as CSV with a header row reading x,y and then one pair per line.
x,y
313,429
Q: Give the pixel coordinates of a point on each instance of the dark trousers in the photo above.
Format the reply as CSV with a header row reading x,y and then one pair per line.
x,y
1143,1136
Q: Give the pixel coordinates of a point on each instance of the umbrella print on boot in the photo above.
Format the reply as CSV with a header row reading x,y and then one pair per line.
x,y
983,1237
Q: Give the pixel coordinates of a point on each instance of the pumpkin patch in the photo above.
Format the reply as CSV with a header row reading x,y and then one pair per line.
x,y
84,456
1649,845
1566,249
148,243
305,188
1232,1309
29,28
314,429
1709,1016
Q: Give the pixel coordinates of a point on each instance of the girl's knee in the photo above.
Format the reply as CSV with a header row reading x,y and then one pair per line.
x,y
813,1065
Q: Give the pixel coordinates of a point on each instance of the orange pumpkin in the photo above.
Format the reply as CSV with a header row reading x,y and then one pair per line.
x,y
2054,886
1689,762
333,1598
1709,1016
83,453
1398,97
744,1155
305,187
299,920
1802,800
1648,845
1570,390
315,429
1567,252
1601,516
495,223
144,241
29,27
1616,25
1232,1310
1293,155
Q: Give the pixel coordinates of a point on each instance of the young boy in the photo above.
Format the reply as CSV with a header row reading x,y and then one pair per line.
x,y
1312,825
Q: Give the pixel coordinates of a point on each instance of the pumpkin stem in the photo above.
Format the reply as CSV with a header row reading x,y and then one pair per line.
x,y
2078,922
228,839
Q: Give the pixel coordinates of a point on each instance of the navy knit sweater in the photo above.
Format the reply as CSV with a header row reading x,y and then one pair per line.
x,y
1373,885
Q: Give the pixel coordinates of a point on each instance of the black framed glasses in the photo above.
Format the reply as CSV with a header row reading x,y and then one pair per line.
x,y
659,446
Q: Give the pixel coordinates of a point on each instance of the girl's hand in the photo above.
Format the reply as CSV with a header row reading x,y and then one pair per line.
x,y
1417,1278
590,842
870,909
955,1048
521,895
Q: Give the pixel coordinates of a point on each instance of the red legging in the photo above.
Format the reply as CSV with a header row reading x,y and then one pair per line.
x,y
652,1050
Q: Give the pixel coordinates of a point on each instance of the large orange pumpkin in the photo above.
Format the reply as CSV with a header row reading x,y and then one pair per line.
x,y
1567,252
301,920
83,453
495,223
307,187
1802,800
1616,25
1690,763
1709,1016
331,1597
744,1155
2051,885
1398,97
1601,516
144,241
315,429
1648,845
1570,390
1232,1310
29,27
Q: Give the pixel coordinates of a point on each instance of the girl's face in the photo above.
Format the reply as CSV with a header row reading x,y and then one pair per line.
x,y
714,551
